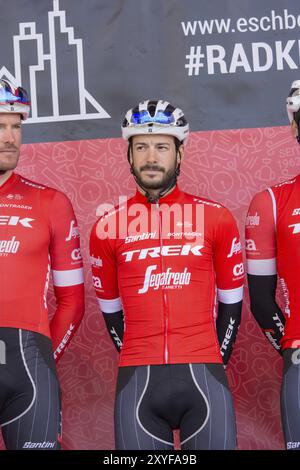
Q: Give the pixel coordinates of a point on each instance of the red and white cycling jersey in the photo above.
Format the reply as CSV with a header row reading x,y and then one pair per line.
x,y
163,272
38,231
273,246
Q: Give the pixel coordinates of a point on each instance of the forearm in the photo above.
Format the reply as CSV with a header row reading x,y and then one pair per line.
x,y
262,290
115,327
228,322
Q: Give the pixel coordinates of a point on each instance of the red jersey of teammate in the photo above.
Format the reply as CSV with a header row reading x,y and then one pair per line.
x,y
163,272
38,232
273,246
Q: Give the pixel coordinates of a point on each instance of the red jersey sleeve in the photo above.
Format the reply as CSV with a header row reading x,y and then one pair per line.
x,y
260,235
67,273
104,271
228,260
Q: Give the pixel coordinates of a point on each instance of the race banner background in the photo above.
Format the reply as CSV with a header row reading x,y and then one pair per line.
x,y
229,66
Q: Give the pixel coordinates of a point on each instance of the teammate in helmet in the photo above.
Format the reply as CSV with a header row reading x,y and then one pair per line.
x,y
144,125
272,248
156,290
35,223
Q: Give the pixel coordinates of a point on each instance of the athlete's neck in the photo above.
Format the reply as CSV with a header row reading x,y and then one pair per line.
x,y
154,192
4,176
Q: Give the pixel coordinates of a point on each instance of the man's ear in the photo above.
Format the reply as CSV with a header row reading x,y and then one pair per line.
x,y
180,153
294,128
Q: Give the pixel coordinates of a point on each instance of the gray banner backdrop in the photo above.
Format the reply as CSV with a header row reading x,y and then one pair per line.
x,y
227,64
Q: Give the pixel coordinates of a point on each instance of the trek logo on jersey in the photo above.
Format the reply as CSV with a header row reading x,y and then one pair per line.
x,y
227,337
236,247
116,337
296,211
73,231
170,250
250,244
9,246
39,445
64,341
296,228
76,255
166,280
96,282
15,220
252,220
238,270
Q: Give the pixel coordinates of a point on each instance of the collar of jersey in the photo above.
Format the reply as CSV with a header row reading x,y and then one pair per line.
x,y
172,197
9,183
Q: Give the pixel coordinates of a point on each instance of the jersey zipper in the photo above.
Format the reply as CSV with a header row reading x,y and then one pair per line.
x,y
165,300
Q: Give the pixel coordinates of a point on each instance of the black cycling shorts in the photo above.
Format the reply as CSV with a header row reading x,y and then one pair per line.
x,y
30,409
152,401
290,399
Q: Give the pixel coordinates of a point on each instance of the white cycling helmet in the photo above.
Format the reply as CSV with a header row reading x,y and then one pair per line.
x,y
293,100
155,117
13,99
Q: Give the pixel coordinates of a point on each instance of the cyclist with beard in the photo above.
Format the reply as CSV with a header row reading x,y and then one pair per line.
x,y
272,249
157,283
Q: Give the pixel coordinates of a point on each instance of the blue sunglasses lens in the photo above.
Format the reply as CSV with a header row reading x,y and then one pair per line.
x,y
143,117
6,95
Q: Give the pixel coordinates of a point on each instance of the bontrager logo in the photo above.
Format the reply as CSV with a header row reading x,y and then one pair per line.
x,y
157,251
9,246
39,445
166,279
15,220
47,63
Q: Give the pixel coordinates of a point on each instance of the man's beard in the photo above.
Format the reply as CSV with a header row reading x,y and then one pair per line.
x,y
167,180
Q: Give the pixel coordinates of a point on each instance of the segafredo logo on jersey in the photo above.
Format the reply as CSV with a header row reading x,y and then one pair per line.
x,y
16,220
73,231
9,246
157,251
236,247
252,220
165,280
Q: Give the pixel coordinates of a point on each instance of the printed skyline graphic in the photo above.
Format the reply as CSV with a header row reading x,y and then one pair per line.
x,y
46,68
